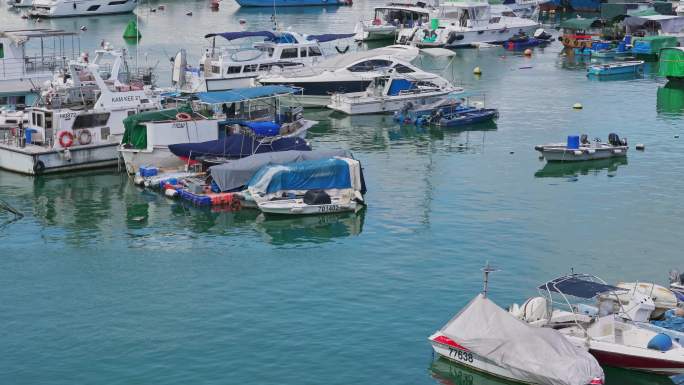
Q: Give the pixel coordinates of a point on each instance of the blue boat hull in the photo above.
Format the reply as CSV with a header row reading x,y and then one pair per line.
x,y
615,71
289,3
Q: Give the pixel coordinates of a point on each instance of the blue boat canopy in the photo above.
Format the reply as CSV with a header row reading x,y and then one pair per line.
x,y
329,37
578,287
278,38
323,174
242,94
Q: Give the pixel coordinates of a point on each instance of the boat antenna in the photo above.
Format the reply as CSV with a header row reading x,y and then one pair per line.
x,y
486,270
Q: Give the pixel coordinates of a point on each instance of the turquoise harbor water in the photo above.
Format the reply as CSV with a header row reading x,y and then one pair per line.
x,y
103,283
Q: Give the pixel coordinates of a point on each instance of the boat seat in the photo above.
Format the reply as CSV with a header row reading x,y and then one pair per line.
x,y
562,316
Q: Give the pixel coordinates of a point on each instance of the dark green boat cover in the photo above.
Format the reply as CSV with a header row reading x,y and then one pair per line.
x,y
671,62
581,24
135,133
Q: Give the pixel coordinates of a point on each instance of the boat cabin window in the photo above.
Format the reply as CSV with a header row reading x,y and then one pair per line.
x,y
250,68
494,20
269,50
91,120
38,120
314,51
234,70
216,69
48,120
92,8
402,69
302,52
289,53
369,65
2,51
118,2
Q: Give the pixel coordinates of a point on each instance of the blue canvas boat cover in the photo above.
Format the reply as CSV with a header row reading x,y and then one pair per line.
x,y
329,37
234,175
399,85
263,128
237,146
577,287
243,94
323,174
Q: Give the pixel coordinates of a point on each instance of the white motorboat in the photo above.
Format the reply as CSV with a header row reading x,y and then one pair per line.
x,y
77,124
467,23
28,58
224,68
663,298
581,149
310,187
69,8
612,331
388,19
390,93
20,3
259,111
485,337
351,72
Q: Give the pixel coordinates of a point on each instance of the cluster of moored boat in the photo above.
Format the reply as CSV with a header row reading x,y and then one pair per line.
x,y
564,336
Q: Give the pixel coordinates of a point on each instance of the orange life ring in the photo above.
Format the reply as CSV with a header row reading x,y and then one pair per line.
x,y
183,116
66,139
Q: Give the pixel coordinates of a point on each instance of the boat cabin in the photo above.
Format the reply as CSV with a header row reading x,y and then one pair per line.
x,y
404,15
28,58
467,14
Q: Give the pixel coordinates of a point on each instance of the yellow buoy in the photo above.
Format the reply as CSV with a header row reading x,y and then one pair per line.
x,y
577,106
477,71
528,52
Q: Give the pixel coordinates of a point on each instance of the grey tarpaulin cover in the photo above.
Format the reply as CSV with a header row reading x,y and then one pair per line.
x,y
533,354
234,174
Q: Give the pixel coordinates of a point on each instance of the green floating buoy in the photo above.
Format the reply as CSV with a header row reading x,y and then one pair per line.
x,y
131,31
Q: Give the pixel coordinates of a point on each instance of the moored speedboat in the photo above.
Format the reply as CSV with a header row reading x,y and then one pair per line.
x,y
323,186
66,8
580,149
487,338
613,336
387,94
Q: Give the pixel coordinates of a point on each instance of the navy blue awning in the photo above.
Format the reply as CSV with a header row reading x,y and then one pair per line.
x,y
239,35
577,287
329,37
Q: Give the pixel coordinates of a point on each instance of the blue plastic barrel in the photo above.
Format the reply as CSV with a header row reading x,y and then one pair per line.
x,y
573,142
28,133
627,39
622,46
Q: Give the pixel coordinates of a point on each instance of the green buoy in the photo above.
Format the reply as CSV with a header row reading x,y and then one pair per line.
x,y
131,31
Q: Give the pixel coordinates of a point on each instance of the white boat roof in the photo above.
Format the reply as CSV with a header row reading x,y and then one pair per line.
x,y
404,52
405,7
20,36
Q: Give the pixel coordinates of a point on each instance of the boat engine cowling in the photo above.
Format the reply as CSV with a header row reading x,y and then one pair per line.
x,y
533,310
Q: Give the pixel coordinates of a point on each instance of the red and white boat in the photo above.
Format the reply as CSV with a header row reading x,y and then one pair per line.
x,y
616,338
487,338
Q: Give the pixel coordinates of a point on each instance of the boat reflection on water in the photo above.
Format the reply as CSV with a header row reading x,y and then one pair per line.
x,y
285,230
575,169
670,98
448,373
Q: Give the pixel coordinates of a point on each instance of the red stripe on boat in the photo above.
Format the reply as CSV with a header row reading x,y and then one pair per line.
x,y
448,341
638,363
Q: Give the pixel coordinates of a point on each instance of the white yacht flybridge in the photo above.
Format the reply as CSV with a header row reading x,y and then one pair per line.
x,y
464,23
388,19
30,57
78,122
225,68
20,3
68,8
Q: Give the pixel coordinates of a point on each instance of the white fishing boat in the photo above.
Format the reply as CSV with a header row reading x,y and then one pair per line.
x,y
467,23
485,337
388,19
351,72
390,93
224,68
259,112
30,57
310,187
69,8
581,149
612,332
78,123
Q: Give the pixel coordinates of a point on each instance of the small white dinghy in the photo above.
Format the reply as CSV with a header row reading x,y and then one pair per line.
x,y
330,185
487,338
580,148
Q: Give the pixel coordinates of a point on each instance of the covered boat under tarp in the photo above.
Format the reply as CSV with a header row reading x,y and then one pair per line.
x,y
232,176
527,353
238,146
135,132
671,63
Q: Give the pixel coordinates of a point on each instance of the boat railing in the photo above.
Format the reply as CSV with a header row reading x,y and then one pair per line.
x,y
30,65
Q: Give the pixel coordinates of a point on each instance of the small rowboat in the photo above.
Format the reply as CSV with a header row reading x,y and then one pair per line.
x,y
580,150
616,68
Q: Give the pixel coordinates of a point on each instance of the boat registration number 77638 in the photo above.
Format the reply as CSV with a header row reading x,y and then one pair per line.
x,y
461,355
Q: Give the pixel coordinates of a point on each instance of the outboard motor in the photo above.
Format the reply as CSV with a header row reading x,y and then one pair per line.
x,y
614,139
584,139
